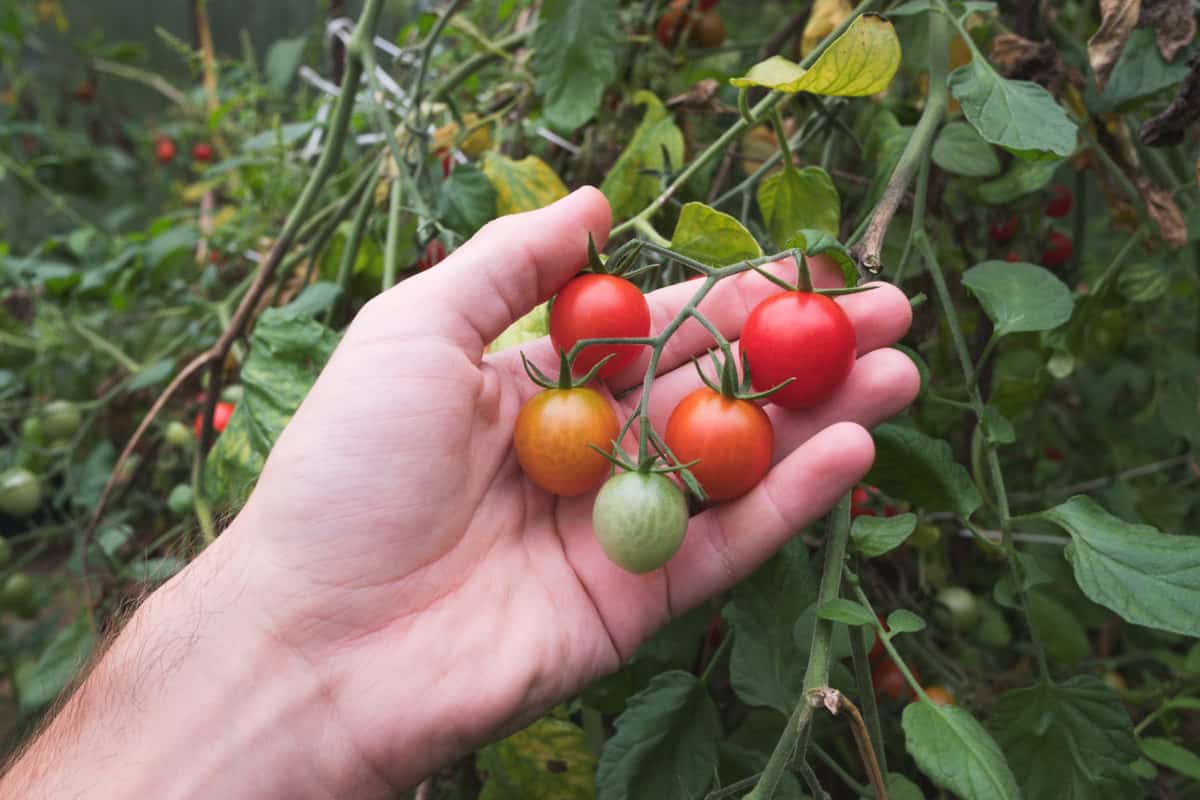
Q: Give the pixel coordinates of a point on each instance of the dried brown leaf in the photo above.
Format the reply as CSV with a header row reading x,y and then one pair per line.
x,y
1167,129
1117,21
1165,212
1174,24
702,95
1023,59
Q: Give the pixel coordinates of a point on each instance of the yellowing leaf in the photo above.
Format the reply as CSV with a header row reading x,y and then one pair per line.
x,y
860,62
523,185
549,760
628,186
826,15
712,237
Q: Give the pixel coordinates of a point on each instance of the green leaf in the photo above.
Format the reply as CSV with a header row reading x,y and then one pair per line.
x,y
819,243
1140,72
848,612
762,612
666,744
575,56
287,352
1019,297
904,621
794,199
283,59
528,328
712,237
960,149
860,62
314,299
1060,632
1068,741
1191,664
1148,577
1023,178
996,427
38,682
549,760
524,185
151,375
901,788
1171,756
1144,282
627,186
1019,116
921,469
874,536
468,200
802,635
957,753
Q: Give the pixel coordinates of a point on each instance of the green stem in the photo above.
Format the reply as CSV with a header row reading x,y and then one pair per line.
x,y
817,674
866,692
466,68
716,657
353,242
992,341
918,220
105,346
393,234
884,637
859,789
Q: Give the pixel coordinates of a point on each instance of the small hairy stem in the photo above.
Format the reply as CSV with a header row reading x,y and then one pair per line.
x,y
393,234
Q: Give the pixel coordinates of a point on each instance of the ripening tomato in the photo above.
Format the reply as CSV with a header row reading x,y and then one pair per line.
x,y
939,695
435,253
1003,229
552,438
706,30
595,307
799,335
1058,250
732,439
1060,203
640,519
889,681
202,152
860,503
221,415
164,149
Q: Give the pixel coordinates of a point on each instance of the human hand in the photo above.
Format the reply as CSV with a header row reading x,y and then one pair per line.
x,y
403,554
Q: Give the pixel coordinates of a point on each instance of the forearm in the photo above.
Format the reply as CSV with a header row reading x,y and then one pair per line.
x,y
192,699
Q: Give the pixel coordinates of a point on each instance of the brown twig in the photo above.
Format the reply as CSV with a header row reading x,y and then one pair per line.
x,y
865,749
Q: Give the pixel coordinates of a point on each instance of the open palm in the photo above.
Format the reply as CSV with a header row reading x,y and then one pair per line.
x,y
403,555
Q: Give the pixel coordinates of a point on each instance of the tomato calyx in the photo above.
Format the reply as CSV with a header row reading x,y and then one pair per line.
x,y
619,263
565,380
732,385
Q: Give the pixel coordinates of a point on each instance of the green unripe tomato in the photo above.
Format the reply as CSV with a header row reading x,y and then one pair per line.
x,y
640,519
233,393
956,608
177,434
16,595
925,535
32,432
180,499
60,420
20,494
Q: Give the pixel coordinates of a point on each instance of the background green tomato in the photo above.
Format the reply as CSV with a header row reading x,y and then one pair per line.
x,y
956,609
640,520
32,432
17,595
925,535
178,435
180,499
60,420
20,494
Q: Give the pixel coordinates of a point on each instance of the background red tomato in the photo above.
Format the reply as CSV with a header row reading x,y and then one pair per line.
x,y
1003,229
202,152
552,435
939,695
732,438
1060,203
889,681
596,307
164,149
1058,250
221,415
799,335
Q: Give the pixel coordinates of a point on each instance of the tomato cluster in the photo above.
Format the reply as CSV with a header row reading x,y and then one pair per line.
x,y
798,347
704,27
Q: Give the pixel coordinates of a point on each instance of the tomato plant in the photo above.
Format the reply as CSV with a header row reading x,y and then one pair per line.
x,y
801,336
731,439
640,520
594,307
555,435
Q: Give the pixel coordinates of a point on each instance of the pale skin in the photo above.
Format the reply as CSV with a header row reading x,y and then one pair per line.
x,y
396,593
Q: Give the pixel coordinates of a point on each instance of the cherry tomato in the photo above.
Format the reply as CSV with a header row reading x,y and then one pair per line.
x,y
707,30
445,158
1052,453
1012,256
956,608
180,500
20,492
85,92
1060,203
435,253
599,306
221,415
60,420
939,695
202,152
1003,229
17,595
889,681
1058,250
799,335
860,503
552,435
177,434
164,149
670,24
733,440
640,519
925,535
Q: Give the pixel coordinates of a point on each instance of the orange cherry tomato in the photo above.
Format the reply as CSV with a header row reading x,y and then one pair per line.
x,y
552,438
939,695
732,439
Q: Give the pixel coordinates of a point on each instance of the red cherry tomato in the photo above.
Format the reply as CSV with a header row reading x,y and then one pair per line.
x,y
860,503
1003,229
221,415
799,335
732,439
670,25
446,159
889,681
1060,203
1058,250
594,307
85,92
164,149
202,152
939,695
435,253
552,435
1012,256
706,30
1052,454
